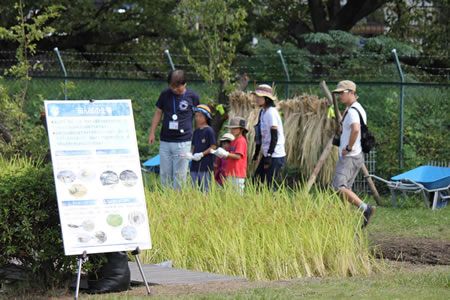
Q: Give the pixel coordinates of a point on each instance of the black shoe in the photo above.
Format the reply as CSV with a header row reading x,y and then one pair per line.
x,y
368,214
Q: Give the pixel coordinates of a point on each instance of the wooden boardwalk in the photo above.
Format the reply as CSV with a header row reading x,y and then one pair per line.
x,y
157,275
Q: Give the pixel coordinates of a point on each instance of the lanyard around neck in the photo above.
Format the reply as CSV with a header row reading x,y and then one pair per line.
x,y
174,106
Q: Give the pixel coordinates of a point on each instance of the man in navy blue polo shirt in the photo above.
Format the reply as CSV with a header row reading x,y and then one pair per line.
x,y
176,104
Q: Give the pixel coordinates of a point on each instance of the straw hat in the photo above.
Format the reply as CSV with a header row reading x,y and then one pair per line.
x,y
264,90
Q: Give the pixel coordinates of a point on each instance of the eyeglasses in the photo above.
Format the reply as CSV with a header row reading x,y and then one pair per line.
x,y
344,91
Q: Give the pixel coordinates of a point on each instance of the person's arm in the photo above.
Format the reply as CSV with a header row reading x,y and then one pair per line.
x,y
212,140
273,144
258,137
240,148
207,151
273,140
235,156
156,120
353,136
257,150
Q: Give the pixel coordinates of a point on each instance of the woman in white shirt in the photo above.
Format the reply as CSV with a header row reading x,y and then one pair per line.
x,y
269,136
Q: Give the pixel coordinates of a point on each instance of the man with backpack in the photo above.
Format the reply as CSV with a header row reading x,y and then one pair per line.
x,y
351,156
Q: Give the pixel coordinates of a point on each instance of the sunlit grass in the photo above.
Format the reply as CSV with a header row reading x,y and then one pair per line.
x,y
260,235
412,222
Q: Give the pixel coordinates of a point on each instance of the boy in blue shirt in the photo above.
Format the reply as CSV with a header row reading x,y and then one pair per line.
x,y
203,141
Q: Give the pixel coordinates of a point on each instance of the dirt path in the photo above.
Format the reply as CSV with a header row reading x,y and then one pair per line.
x,y
411,249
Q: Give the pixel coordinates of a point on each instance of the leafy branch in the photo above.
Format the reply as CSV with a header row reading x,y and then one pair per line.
x,y
30,28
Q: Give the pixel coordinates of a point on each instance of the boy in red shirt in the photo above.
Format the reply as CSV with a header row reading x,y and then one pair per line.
x,y
236,169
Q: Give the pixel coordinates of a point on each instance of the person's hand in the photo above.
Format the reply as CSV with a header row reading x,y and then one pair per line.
x,y
197,156
189,156
151,138
267,162
345,152
222,153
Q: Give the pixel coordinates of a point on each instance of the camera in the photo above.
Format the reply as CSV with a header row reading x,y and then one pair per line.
x,y
337,140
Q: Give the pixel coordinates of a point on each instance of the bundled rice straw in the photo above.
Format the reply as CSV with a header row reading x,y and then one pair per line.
x,y
306,127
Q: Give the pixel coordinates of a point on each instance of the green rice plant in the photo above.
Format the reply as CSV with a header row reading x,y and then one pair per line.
x,y
259,235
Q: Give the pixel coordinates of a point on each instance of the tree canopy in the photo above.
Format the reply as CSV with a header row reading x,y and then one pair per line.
x,y
94,27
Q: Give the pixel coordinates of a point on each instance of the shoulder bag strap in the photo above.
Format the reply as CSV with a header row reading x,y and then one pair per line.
x,y
363,125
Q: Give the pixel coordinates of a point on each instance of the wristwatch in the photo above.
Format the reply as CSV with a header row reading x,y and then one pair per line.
x,y
349,150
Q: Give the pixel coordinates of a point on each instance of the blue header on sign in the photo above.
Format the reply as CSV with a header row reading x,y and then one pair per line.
x,y
88,109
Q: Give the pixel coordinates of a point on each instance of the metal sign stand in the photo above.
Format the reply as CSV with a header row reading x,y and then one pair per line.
x,y
83,257
80,263
136,253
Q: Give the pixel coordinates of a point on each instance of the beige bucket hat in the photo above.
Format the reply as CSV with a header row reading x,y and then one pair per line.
x,y
237,122
345,85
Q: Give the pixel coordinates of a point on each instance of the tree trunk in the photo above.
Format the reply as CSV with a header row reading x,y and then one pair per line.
x,y
5,134
218,118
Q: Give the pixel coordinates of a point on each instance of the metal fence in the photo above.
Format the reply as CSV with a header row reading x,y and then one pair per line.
x,y
360,185
426,132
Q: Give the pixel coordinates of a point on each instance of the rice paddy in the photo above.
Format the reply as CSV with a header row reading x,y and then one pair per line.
x,y
260,235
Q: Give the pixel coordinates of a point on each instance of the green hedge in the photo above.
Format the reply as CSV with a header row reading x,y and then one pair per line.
x,y
30,233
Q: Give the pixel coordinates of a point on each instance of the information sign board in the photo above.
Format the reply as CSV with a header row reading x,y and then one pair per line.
x,y
98,176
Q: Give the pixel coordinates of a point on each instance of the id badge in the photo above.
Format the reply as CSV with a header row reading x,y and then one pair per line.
x,y
173,125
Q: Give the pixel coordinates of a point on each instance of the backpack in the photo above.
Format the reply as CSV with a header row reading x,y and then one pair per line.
x,y
367,138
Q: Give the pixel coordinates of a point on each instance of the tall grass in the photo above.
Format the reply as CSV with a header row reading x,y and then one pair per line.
x,y
260,235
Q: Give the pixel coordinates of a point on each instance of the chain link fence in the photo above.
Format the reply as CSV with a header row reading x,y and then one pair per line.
x,y
426,134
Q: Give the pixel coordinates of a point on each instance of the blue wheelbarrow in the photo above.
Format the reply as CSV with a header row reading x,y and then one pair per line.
x,y
430,179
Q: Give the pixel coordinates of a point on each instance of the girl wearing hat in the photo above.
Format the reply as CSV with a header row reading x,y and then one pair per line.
x,y
236,169
221,163
203,141
270,137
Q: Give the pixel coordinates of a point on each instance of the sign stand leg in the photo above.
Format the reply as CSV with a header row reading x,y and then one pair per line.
x,y
80,263
135,253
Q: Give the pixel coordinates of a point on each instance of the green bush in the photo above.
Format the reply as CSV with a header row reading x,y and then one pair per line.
x,y
30,233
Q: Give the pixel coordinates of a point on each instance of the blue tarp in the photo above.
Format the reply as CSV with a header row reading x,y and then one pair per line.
x,y
152,162
429,176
